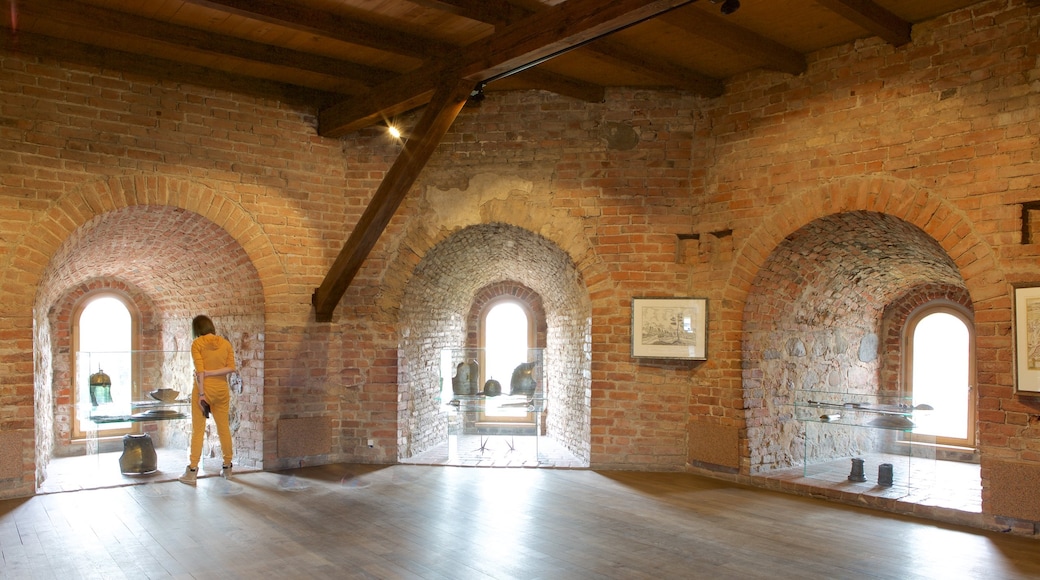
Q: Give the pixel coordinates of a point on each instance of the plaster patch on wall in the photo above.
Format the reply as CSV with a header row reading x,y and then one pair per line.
x,y
452,207
868,348
619,136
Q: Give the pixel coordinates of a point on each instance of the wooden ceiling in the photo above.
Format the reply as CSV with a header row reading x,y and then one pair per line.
x,y
360,61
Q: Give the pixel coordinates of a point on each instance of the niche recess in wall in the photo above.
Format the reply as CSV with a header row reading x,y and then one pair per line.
x,y
439,297
172,264
814,316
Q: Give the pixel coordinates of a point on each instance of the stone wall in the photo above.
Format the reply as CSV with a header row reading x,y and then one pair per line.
x,y
813,318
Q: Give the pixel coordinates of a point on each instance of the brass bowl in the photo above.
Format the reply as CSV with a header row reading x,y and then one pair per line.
x,y
165,395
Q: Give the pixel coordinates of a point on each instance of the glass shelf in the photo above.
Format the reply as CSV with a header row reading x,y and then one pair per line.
x,y
493,418
868,443
115,409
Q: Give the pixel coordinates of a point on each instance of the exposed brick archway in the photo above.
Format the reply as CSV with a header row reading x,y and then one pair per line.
x,y
813,319
972,266
441,293
171,262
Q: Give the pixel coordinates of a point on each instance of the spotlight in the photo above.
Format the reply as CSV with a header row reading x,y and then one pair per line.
x,y
477,94
393,131
728,6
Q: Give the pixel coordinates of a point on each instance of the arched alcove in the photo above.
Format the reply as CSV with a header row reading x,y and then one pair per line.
x,y
172,264
437,301
813,318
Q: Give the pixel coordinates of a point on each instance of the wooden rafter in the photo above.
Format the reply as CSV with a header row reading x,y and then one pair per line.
x,y
497,12
724,33
121,23
868,14
106,58
533,39
627,57
322,23
448,99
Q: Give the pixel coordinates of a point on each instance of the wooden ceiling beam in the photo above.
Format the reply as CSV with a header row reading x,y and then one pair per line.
x,y
499,13
670,74
299,17
195,40
157,68
722,32
444,106
522,44
869,15
619,55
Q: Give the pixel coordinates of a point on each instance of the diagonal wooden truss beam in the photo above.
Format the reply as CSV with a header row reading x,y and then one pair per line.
x,y
523,44
446,103
868,14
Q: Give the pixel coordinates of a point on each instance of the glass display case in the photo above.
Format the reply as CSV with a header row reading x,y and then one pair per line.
x,y
133,401
868,442
494,402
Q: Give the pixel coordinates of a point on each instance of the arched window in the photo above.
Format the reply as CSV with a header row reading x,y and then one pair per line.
x,y
103,341
507,332
941,372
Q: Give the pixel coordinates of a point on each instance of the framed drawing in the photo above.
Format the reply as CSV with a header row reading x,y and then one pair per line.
x,y
670,328
1027,340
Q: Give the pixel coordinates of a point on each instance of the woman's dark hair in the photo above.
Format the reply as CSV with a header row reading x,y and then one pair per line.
x,y
201,325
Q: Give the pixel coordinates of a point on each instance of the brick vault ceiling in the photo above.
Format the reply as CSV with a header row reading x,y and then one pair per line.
x,y
849,265
185,262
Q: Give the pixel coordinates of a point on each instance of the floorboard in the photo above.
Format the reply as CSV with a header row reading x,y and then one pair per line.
x,y
450,522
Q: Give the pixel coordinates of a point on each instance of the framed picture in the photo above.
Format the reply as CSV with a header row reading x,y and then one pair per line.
x,y
1027,340
670,328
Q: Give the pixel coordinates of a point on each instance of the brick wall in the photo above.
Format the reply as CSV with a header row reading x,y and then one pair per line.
x,y
698,197
441,309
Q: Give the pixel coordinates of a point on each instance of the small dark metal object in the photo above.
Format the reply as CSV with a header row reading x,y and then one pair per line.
x,y
492,388
884,475
138,454
857,471
205,408
522,381
100,388
464,379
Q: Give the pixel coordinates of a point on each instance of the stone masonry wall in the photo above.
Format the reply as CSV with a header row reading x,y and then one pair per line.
x,y
813,319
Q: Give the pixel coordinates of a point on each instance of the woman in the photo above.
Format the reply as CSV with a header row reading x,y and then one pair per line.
x,y
214,360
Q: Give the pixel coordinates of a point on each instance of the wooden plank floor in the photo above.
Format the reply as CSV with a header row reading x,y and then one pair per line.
x,y
415,521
